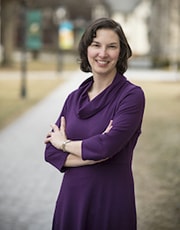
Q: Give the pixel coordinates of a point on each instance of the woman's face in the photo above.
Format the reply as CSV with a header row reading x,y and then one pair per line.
x,y
103,53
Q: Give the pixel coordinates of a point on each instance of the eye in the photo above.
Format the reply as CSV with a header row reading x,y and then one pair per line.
x,y
112,46
94,44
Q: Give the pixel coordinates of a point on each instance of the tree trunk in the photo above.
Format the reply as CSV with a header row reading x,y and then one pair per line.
x,y
8,21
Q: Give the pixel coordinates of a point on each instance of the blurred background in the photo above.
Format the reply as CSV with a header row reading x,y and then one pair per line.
x,y
51,26
39,67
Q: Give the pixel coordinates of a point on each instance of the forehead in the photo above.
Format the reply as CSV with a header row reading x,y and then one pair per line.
x,y
107,35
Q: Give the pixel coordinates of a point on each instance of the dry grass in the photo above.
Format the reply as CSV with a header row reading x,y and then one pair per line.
x,y
11,103
157,159
47,65
49,62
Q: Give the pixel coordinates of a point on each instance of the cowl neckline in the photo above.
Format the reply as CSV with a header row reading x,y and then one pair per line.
x,y
86,108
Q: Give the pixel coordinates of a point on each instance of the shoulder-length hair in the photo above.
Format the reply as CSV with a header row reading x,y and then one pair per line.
x,y
90,33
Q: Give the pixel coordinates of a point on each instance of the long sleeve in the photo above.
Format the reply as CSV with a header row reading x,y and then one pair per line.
x,y
55,156
126,128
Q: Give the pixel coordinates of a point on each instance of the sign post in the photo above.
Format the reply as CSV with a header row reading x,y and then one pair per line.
x,y
66,36
65,40
31,40
34,35
23,90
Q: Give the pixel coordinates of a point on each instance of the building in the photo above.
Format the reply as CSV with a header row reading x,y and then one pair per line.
x,y
134,20
152,28
164,27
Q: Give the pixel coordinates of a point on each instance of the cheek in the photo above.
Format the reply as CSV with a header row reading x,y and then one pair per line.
x,y
90,53
115,56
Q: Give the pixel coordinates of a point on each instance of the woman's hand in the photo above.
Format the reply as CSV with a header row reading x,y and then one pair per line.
x,y
108,127
57,136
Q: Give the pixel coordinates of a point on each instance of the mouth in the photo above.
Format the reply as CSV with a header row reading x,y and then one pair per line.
x,y
102,62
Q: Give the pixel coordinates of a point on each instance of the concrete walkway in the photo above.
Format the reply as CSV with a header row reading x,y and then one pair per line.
x,y
28,185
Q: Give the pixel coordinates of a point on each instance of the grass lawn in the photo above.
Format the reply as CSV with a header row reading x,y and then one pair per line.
x,y
11,103
157,159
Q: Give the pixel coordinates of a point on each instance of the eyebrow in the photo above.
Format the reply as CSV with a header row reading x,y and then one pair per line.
x,y
112,43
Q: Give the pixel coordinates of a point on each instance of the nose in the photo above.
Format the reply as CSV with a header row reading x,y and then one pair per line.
x,y
102,52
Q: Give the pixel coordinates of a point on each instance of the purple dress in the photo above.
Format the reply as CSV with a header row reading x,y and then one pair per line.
x,y
100,196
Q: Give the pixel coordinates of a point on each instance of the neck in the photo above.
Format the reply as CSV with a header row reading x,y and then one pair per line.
x,y
103,81
100,84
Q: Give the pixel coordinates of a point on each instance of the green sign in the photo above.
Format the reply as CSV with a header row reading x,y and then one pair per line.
x,y
33,33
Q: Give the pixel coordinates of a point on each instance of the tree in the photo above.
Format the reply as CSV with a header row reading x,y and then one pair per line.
x,y
165,32
8,20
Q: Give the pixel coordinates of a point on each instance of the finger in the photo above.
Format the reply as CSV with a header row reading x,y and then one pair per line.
x,y
110,123
48,135
108,128
63,123
46,140
54,127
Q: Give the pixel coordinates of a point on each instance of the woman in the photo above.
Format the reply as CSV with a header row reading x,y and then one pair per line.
x,y
95,135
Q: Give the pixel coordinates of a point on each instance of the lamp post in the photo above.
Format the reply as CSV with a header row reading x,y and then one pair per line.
x,y
60,15
0,36
23,54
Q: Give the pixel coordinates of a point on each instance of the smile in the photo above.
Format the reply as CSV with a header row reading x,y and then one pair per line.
x,y
102,62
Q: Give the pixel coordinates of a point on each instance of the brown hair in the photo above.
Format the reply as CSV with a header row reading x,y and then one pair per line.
x,y
90,33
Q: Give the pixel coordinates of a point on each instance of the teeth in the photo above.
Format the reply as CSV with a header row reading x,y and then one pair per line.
x,y
102,62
